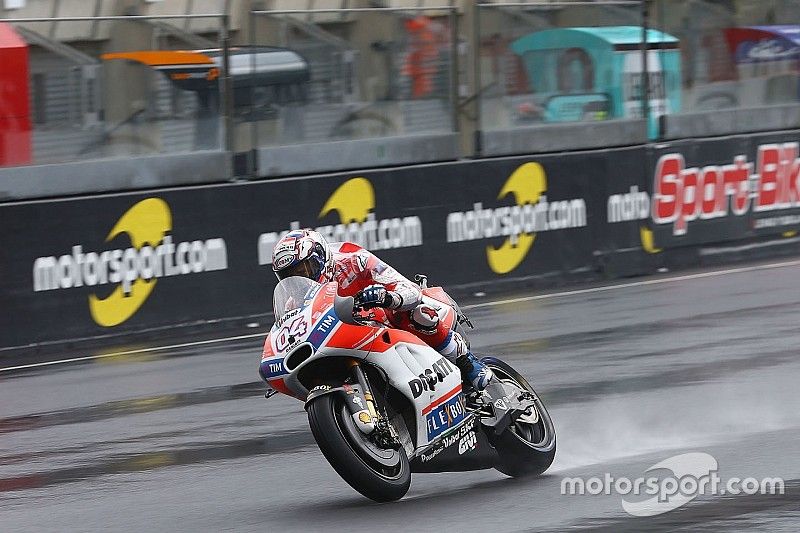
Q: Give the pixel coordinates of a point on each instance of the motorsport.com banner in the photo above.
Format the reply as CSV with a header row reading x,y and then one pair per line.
x,y
91,266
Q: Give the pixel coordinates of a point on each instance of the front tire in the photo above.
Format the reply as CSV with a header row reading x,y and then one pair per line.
x,y
379,474
524,449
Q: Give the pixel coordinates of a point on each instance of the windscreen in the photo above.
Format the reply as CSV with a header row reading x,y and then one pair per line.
x,y
291,294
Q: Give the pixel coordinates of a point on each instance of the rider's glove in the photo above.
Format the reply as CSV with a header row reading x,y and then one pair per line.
x,y
374,296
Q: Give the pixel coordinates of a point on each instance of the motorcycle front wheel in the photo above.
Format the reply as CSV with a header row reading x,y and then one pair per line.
x,y
379,474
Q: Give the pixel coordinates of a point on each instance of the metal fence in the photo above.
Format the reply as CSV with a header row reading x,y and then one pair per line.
x,y
87,102
395,79
379,86
740,64
561,75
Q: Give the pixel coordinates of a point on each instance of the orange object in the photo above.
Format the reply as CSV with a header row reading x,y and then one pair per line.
x,y
423,54
159,58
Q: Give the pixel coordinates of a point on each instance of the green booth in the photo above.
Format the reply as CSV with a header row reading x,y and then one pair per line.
x,y
578,74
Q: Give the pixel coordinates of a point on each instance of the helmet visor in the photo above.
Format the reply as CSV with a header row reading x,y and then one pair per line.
x,y
308,268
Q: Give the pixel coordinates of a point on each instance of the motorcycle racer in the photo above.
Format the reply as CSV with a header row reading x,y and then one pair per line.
x,y
373,283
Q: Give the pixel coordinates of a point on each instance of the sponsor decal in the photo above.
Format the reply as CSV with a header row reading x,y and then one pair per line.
x,y
379,268
467,443
358,401
456,435
287,316
683,195
444,413
504,403
630,206
273,368
211,75
777,222
323,329
354,204
283,261
530,214
429,455
765,50
135,270
460,434
309,297
430,376
364,417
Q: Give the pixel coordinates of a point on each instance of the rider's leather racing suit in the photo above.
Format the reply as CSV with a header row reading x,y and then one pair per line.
x,y
433,322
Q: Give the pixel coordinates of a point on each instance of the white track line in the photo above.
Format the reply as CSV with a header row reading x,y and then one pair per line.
x,y
659,281
133,352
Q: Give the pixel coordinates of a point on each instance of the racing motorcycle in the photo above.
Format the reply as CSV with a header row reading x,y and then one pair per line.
x,y
383,404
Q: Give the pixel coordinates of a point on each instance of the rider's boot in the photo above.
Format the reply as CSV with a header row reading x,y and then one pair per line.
x,y
474,370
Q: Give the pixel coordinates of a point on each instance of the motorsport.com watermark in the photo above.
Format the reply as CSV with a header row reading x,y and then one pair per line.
x,y
691,475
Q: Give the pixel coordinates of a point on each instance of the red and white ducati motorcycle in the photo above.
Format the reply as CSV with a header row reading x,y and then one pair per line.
x,y
382,404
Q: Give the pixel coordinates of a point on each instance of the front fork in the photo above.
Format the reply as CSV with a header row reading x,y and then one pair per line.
x,y
360,401
367,418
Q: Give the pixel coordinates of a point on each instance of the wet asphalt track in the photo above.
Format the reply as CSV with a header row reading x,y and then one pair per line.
x,y
184,441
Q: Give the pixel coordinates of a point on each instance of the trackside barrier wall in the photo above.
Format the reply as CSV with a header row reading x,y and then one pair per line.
x,y
123,263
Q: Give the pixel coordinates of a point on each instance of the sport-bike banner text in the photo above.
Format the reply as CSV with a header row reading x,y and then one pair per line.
x,y
712,191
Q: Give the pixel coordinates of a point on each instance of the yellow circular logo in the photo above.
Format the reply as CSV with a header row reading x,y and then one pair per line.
x,y
145,223
526,184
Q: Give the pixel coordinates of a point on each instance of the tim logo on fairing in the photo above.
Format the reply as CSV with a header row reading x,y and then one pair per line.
x,y
324,327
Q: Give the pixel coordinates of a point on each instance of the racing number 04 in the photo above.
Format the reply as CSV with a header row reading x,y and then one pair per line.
x,y
290,332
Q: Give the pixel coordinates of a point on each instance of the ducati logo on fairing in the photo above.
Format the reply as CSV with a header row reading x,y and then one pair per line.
x,y
428,379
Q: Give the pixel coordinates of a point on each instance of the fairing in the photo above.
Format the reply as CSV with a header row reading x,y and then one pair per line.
x,y
307,319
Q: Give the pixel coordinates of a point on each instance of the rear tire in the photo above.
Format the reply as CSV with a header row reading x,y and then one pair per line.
x,y
380,475
524,449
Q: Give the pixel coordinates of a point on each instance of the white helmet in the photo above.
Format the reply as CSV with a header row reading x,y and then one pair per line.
x,y
303,253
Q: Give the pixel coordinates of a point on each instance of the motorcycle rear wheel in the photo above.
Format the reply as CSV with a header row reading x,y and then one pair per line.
x,y
525,449
379,474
